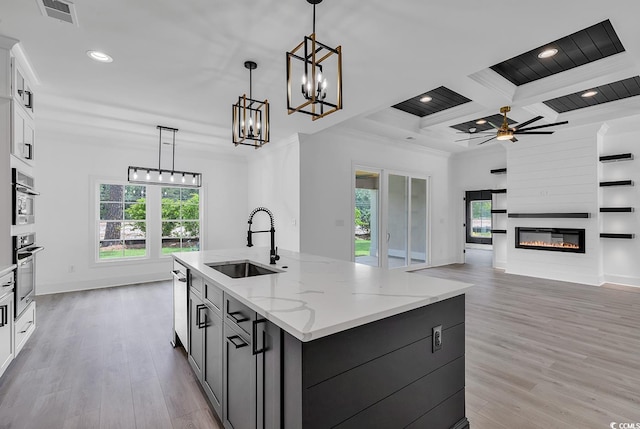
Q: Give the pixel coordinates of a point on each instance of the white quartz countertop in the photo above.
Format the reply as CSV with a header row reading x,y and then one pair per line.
x,y
7,269
315,296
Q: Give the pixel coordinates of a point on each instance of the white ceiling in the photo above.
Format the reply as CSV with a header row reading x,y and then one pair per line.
x,y
180,63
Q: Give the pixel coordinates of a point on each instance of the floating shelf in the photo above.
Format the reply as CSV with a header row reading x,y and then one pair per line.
x,y
499,171
616,209
616,158
617,183
498,231
499,211
610,235
551,215
498,191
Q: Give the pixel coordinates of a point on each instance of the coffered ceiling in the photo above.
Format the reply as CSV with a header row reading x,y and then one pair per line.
x,y
181,63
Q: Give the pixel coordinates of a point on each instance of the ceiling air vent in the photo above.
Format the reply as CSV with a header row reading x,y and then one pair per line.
x,y
60,10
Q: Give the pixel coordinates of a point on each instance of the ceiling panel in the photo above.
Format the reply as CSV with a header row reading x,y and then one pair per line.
x,y
606,93
591,44
441,99
495,119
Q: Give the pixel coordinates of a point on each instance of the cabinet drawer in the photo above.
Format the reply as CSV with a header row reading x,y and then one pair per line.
x,y
24,326
196,282
238,314
213,295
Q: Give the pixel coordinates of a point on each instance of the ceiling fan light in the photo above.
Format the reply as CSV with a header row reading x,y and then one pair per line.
x,y
504,135
547,53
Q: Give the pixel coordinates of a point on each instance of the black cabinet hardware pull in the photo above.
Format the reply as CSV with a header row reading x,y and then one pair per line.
x,y
254,342
29,104
27,328
199,320
238,316
237,341
3,319
176,275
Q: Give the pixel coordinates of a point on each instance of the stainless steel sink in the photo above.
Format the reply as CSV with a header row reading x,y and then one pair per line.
x,y
240,269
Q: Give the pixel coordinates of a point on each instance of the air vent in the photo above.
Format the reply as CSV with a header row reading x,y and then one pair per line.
x,y
60,10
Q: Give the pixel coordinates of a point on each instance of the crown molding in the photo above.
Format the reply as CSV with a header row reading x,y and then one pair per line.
x,y
7,42
23,59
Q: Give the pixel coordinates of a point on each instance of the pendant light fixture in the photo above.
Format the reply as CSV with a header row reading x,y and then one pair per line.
x,y
160,176
316,69
250,117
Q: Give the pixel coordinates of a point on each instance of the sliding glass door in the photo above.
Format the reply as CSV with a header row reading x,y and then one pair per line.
x,y
391,223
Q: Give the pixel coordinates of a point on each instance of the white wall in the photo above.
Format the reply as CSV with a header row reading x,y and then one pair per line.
x,y
274,182
555,174
471,171
619,256
326,162
67,161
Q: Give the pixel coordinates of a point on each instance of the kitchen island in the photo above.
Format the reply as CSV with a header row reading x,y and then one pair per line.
x,y
324,343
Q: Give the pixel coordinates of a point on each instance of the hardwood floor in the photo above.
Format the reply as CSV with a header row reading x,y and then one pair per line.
x,y
547,354
540,354
102,359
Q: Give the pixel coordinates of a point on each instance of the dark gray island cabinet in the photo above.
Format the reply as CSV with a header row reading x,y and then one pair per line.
x,y
405,370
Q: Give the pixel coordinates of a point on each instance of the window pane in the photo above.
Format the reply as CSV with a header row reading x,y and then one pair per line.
x,y
170,209
110,231
191,211
170,245
110,211
133,193
171,229
190,244
481,218
111,249
188,194
111,193
135,248
134,230
136,211
190,229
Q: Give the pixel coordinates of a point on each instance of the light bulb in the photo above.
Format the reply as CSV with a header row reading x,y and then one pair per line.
x,y
160,176
324,83
171,178
194,179
148,176
182,177
304,79
135,174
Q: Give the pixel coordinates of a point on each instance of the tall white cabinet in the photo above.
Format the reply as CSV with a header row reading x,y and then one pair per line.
x,y
17,150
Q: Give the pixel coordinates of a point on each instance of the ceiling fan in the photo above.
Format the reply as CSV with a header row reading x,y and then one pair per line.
x,y
505,132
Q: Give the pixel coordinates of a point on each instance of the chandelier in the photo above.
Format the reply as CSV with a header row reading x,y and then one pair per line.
x,y
250,117
319,68
163,176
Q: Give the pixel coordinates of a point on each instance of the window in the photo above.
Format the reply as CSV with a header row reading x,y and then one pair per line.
x,y
180,220
136,222
478,216
122,221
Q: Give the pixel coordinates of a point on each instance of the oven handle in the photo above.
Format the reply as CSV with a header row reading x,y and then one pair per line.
x,y
34,250
26,190
28,258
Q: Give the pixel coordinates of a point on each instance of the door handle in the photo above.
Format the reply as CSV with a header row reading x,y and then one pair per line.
x,y
199,322
388,236
237,341
254,336
176,273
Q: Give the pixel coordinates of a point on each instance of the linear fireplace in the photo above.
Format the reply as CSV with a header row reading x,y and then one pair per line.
x,y
554,239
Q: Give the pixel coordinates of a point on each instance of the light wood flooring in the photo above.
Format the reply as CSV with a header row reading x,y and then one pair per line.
x,y
540,354
547,354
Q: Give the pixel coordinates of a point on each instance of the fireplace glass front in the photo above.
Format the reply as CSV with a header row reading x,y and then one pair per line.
x,y
554,239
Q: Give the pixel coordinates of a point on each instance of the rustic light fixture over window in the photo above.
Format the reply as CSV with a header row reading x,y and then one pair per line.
x,y
163,176
250,117
317,68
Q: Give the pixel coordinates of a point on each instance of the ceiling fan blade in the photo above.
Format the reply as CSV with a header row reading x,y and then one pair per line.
x,y
493,125
476,132
513,139
470,138
487,140
533,132
530,121
543,126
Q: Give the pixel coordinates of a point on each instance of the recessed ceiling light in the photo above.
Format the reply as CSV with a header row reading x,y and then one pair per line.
x,y
547,53
426,99
589,94
473,129
481,121
99,56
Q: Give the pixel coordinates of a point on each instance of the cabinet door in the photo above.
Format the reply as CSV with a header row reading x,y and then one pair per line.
x,y
213,370
268,386
197,321
6,332
239,378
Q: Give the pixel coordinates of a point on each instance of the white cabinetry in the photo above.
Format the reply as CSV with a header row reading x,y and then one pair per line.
x,y
24,326
6,331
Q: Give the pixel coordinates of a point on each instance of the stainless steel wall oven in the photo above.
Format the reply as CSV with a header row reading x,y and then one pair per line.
x,y
23,198
24,257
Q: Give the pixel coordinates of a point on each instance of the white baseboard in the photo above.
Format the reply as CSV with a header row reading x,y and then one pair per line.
x,y
622,280
79,285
